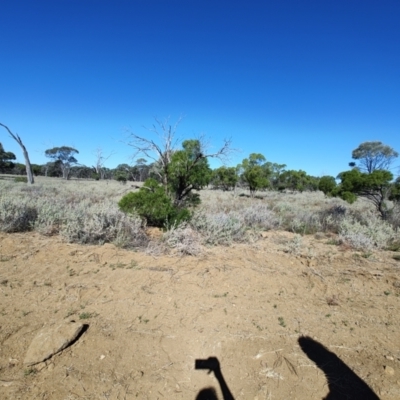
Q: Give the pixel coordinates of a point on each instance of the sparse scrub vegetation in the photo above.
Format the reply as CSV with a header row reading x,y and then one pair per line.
x,y
88,213
80,215
367,232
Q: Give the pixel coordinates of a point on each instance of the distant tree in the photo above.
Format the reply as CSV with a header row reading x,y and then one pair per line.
x,y
372,156
29,174
36,168
100,160
327,184
225,178
142,169
124,170
374,186
83,172
275,171
254,172
51,169
6,159
297,181
18,169
65,156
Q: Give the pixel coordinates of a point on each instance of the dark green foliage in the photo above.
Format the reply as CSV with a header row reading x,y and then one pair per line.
x,y
298,181
187,171
154,205
327,184
374,186
254,172
225,178
120,177
348,196
65,156
395,190
275,171
6,158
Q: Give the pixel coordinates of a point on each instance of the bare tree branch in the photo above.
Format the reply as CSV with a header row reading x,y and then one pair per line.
x,y
100,160
28,166
159,151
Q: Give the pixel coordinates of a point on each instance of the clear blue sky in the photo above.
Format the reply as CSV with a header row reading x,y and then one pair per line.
x,y
302,82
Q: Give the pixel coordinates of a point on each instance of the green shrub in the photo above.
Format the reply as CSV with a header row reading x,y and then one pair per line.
x,y
349,197
154,205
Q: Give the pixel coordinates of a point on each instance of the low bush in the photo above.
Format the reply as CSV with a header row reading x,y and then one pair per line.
x,y
183,239
101,223
366,233
16,214
153,205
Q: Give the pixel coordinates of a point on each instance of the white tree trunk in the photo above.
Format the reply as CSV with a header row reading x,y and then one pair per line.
x,y
28,166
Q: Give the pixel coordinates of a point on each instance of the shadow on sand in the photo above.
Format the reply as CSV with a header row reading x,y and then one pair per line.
x,y
212,364
343,383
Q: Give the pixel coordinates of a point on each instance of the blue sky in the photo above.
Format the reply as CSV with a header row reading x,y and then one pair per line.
x,y
302,82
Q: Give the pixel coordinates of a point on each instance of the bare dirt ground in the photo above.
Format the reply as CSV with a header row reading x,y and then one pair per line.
x,y
149,319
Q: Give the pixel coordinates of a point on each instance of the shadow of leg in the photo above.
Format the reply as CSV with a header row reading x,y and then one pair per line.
x,y
343,383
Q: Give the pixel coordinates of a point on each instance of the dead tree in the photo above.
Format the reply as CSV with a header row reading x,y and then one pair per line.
x,y
100,160
28,166
162,149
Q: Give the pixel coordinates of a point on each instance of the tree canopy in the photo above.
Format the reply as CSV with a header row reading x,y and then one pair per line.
x,y
65,156
254,172
6,159
371,156
374,186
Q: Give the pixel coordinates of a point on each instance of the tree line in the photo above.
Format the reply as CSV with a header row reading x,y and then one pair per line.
x,y
180,170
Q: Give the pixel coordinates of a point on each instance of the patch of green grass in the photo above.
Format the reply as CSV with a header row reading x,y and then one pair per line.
x,y
87,315
217,296
366,255
30,371
117,265
387,292
282,322
332,242
144,320
132,265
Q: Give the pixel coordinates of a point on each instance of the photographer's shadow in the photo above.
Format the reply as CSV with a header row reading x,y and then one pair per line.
x,y
212,364
343,383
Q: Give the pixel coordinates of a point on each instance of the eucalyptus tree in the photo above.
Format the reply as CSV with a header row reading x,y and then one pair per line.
x,y
65,156
372,156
